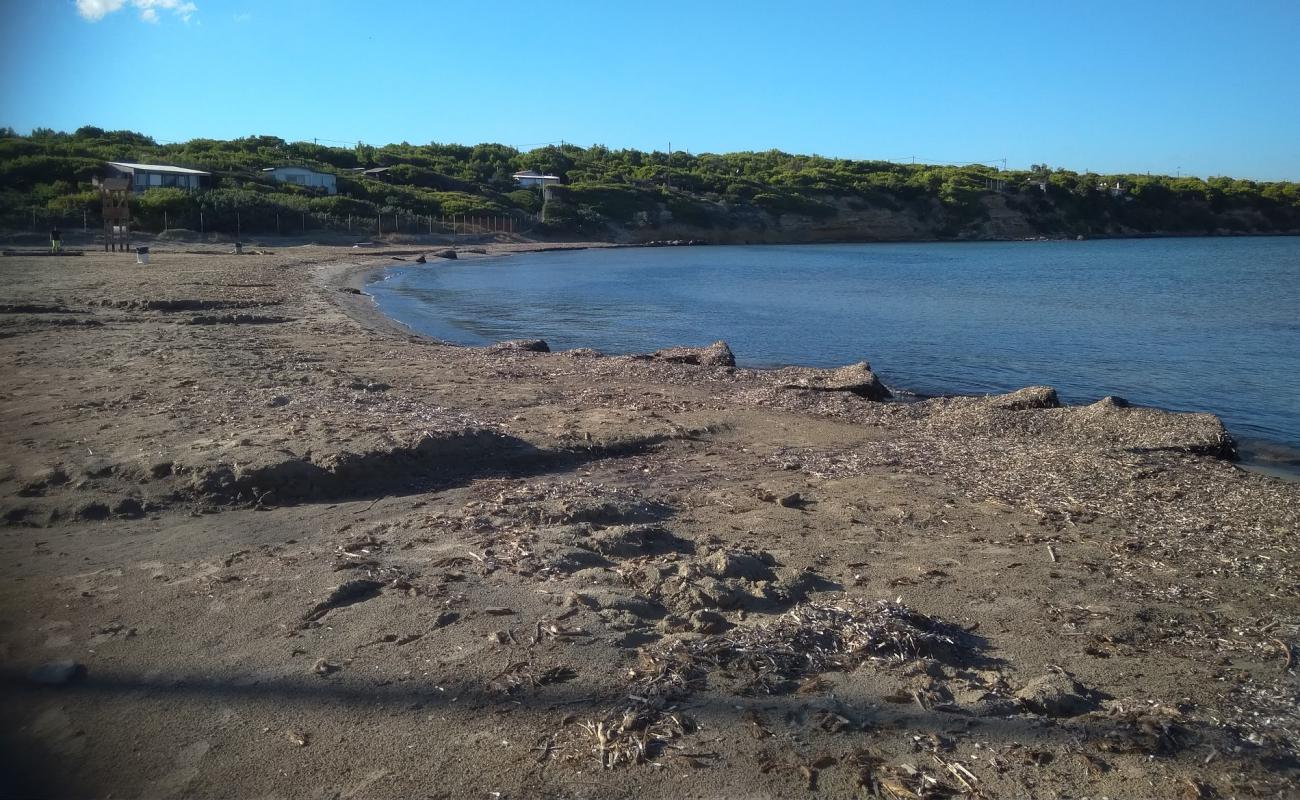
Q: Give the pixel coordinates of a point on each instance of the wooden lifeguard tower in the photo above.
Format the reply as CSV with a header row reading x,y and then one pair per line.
x,y
116,194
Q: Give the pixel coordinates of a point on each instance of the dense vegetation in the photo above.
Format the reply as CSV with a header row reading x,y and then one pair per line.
x,y
46,178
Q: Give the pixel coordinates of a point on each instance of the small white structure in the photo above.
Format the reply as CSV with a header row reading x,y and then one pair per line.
x,y
147,176
529,178
303,177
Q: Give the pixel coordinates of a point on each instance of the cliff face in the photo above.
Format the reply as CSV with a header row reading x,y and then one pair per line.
x,y
993,217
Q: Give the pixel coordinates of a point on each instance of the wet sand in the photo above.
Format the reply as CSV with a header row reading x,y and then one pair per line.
x,y
292,549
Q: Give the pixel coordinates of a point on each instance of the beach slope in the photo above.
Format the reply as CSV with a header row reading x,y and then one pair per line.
x,y
261,541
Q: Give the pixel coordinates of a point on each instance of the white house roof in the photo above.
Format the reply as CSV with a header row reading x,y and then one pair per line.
x,y
528,173
157,168
289,166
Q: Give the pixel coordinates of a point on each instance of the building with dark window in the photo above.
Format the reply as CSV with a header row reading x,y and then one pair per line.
x,y
148,176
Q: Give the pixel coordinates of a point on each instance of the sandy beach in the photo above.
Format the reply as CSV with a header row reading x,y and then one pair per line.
x,y
261,541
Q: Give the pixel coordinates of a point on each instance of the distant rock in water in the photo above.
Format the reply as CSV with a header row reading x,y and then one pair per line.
x,y
717,354
448,253
1036,414
520,345
1145,429
855,378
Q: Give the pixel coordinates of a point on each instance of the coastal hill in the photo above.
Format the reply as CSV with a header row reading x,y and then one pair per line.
x,y
46,179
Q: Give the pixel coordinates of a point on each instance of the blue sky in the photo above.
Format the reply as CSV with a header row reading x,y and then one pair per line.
x,y
1206,88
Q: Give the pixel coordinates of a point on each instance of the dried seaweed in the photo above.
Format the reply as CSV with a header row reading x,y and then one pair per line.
x,y
526,674
811,638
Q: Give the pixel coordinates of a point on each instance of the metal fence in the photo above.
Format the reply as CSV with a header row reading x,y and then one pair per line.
x,y
41,220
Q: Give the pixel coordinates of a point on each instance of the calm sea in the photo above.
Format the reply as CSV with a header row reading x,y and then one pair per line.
x,y
1198,324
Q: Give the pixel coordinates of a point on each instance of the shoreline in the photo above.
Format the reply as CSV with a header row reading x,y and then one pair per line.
x,y
1266,456
287,543
412,244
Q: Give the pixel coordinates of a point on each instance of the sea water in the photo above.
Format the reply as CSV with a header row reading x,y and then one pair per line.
x,y
1189,324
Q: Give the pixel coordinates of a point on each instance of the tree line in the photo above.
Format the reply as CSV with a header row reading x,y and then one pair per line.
x,y
604,192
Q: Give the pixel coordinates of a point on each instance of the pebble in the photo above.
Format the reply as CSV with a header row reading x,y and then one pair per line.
x,y
323,667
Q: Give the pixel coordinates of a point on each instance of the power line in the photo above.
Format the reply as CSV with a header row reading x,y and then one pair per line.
x,y
536,144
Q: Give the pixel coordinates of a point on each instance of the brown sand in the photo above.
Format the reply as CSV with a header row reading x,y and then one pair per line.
x,y
298,552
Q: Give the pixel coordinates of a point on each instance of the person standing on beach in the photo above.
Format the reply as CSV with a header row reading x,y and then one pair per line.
x,y
56,240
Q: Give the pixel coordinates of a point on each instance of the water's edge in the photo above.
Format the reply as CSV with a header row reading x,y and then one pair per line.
x,y
1268,457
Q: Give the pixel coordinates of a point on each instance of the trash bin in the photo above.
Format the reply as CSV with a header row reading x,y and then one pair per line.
x,y
239,248
142,255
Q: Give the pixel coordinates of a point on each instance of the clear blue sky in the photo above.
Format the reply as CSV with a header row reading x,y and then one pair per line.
x,y
1212,88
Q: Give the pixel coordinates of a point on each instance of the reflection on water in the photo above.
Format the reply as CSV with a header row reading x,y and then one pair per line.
x,y
1190,324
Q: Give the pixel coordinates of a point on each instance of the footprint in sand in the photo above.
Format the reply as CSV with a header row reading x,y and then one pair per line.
x,y
56,635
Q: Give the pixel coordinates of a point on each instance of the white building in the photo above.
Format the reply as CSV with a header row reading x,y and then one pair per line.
x,y
303,177
147,176
529,178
